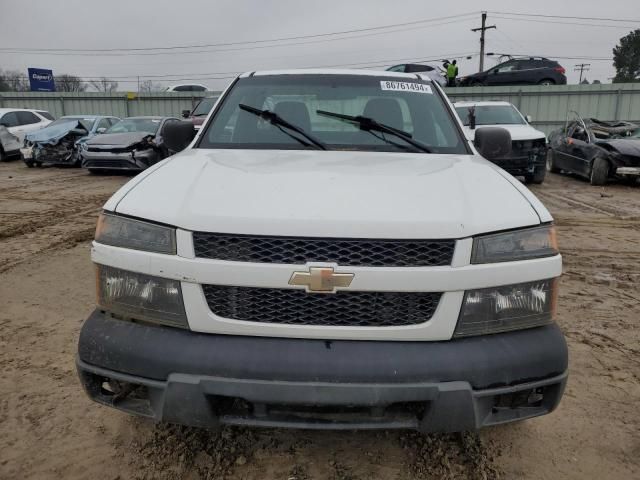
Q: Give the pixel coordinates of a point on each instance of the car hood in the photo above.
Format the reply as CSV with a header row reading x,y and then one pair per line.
x,y
626,146
52,134
119,139
328,194
518,132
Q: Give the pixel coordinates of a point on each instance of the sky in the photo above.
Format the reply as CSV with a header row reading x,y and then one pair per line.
x,y
413,30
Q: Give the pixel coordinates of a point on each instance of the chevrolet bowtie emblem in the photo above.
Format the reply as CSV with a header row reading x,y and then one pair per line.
x,y
321,279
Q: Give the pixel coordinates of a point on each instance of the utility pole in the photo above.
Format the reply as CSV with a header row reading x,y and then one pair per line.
x,y
582,67
482,29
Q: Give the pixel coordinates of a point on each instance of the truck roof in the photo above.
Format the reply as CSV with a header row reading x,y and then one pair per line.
x,y
487,103
323,71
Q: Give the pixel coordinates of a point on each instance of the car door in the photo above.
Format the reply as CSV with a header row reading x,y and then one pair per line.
x,y
503,74
11,140
578,150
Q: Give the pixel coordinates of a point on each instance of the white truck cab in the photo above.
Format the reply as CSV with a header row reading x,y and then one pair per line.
x,y
329,239
529,145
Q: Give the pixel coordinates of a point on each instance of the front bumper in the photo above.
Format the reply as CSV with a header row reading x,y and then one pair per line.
x,y
205,380
628,171
522,165
105,160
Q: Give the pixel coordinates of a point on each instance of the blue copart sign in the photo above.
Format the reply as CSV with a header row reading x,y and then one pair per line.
x,y
41,80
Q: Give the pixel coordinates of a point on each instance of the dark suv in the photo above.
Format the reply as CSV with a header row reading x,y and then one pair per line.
x,y
520,71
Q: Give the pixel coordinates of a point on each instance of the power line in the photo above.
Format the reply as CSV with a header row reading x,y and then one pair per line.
x,y
565,23
572,17
226,44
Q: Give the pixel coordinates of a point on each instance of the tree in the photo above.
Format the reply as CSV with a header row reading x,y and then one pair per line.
x,y
104,84
148,86
69,83
626,58
14,81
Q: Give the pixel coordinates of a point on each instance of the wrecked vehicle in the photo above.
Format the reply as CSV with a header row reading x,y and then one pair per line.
x,y
528,146
15,123
298,266
134,143
596,150
59,143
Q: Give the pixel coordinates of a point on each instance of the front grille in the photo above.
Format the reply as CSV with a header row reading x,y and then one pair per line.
x,y
523,147
341,309
300,250
108,164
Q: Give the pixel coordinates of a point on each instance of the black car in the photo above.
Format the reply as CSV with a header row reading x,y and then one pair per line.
x,y
134,143
596,150
519,71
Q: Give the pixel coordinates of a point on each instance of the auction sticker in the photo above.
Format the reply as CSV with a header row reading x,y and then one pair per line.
x,y
405,86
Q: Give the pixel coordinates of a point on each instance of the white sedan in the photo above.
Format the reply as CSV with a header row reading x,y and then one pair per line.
x,y
17,122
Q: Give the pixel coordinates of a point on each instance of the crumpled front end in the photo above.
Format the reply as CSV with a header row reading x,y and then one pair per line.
x,y
54,146
525,157
135,157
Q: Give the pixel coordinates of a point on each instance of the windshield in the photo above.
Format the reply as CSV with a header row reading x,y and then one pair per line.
x,y
492,115
204,107
409,105
87,123
129,125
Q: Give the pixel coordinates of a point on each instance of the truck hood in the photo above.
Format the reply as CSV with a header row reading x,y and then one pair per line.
x,y
328,194
518,132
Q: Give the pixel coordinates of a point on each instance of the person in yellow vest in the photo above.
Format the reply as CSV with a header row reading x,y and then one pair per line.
x,y
452,73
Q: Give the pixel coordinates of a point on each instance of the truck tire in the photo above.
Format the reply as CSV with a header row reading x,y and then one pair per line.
x,y
599,171
551,162
537,177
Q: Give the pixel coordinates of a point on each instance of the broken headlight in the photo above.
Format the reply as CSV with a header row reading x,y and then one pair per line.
x,y
522,244
507,308
137,296
136,234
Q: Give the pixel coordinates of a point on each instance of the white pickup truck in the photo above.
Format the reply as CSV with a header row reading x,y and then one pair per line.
x,y
330,251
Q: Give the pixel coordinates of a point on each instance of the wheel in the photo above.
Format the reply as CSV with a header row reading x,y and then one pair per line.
x,y
29,163
537,177
551,162
37,164
546,81
599,171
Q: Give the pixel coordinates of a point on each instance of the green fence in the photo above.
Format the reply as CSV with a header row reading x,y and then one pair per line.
x,y
548,105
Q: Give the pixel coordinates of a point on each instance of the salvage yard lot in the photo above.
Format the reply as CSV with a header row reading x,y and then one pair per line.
x,y
49,429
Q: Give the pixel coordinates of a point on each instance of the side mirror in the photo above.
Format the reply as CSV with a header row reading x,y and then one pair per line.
x,y
529,118
101,130
493,142
186,113
178,135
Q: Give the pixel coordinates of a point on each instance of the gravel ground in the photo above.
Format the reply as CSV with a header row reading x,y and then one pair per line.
x,y
49,429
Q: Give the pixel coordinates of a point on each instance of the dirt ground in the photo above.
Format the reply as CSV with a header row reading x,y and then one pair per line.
x,y
49,429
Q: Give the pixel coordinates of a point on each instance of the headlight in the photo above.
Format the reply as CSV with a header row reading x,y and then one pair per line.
x,y
512,307
517,245
140,297
129,233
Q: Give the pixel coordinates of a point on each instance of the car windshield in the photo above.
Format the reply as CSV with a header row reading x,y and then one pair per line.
x,y
415,111
129,125
492,115
87,123
204,107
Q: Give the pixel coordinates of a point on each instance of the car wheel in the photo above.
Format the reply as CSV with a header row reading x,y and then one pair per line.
x,y
551,162
537,177
38,164
546,81
599,171
29,163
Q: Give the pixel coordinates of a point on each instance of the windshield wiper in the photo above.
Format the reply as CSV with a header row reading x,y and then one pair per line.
x,y
370,125
278,121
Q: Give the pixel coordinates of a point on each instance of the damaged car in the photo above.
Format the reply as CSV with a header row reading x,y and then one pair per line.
x,y
134,144
15,123
528,145
60,142
595,149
